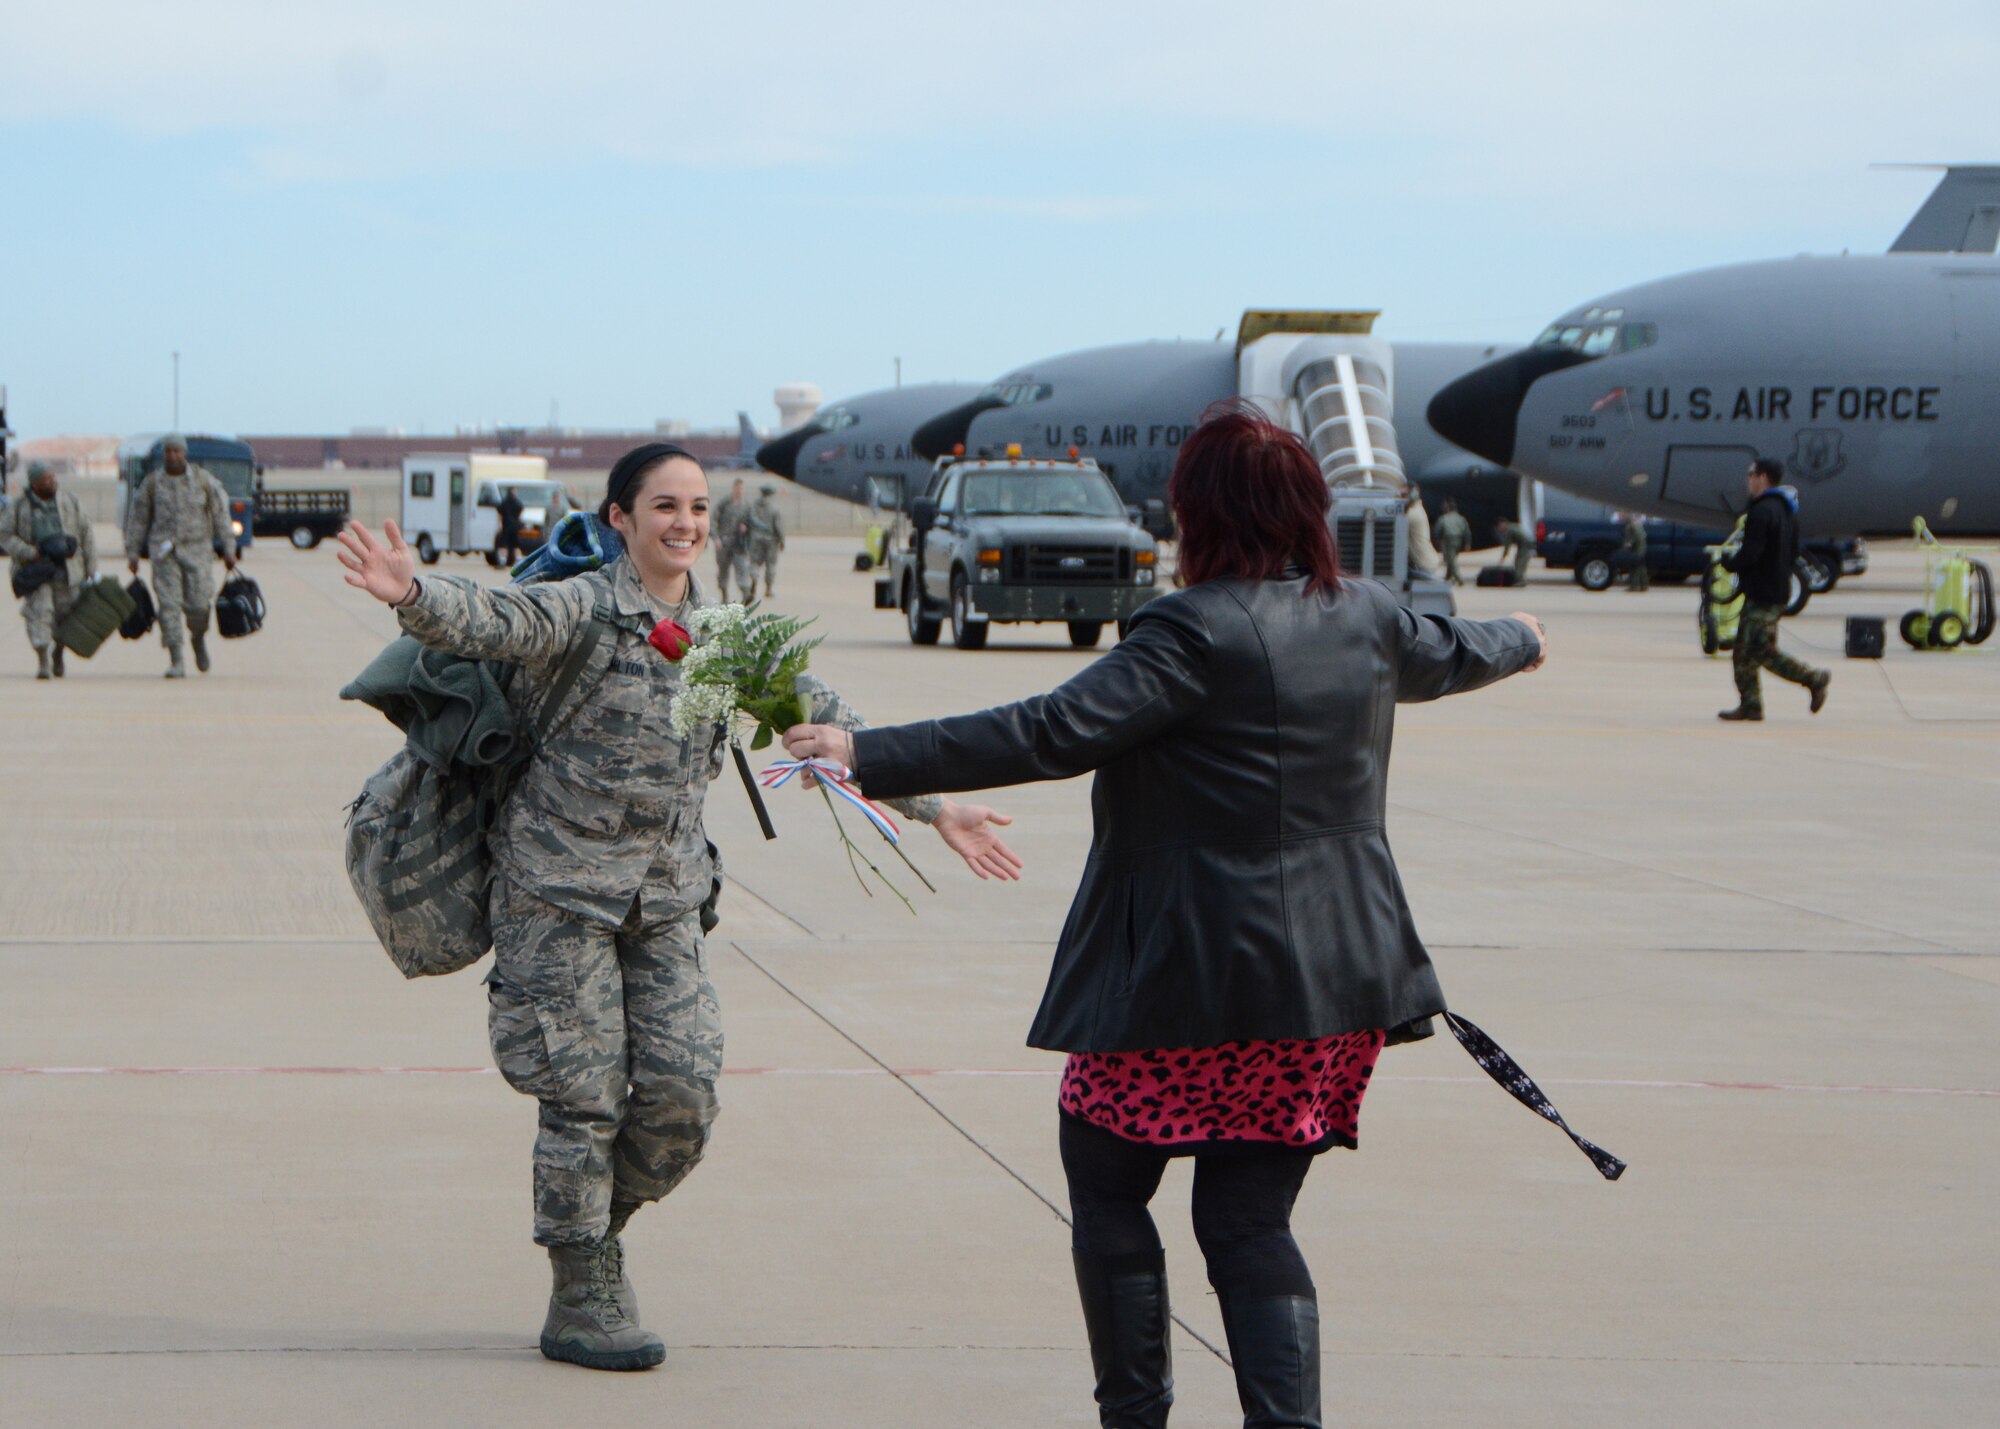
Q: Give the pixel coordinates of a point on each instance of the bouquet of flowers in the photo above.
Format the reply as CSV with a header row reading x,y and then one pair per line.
x,y
741,669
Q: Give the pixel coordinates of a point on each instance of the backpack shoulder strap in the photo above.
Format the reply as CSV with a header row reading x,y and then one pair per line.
x,y
575,662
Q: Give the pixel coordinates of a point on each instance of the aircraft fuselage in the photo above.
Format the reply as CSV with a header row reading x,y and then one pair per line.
x,y
1872,378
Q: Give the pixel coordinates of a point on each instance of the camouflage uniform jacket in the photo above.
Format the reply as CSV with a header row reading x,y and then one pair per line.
x,y
766,534
609,810
20,521
190,512
726,523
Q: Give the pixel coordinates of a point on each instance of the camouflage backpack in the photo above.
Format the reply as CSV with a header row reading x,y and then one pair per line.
x,y
416,836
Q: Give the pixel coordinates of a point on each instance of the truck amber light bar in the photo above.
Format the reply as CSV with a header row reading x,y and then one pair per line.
x,y
990,556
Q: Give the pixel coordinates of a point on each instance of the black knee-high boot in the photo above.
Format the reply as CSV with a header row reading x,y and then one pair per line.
x,y
1125,1311
1274,1344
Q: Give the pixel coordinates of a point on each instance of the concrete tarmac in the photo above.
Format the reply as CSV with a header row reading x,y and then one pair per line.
x,y
248,1175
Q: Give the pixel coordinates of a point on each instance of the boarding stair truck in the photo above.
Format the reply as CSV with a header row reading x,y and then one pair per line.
x,y
451,502
1325,377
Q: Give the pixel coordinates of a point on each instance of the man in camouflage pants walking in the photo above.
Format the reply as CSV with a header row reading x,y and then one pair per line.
x,y
47,524
757,550
179,519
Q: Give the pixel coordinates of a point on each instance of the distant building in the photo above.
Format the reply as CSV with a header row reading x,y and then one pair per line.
x,y
797,401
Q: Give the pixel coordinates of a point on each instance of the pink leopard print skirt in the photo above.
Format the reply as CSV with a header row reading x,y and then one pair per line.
x,y
1303,1094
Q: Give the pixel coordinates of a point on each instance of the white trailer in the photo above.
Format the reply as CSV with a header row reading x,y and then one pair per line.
x,y
451,501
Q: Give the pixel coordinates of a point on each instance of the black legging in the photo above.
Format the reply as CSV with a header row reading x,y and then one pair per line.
x,y
1242,1208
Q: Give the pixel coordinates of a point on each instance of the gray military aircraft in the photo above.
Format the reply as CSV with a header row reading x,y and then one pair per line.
x,y
1870,376
1130,405
859,449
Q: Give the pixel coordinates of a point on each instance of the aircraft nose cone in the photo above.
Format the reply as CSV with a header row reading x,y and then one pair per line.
x,y
1481,410
781,454
947,429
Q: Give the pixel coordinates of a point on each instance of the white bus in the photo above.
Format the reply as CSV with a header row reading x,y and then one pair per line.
x,y
451,502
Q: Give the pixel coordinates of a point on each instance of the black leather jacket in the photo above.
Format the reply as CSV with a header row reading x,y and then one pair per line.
x,y
1239,883
1770,546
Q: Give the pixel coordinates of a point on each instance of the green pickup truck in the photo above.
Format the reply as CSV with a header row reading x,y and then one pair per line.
x,y
1007,540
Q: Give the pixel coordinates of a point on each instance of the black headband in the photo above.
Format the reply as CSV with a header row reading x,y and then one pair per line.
x,y
634,465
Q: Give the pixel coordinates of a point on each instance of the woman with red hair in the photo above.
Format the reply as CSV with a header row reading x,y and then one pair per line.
x,y
1239,950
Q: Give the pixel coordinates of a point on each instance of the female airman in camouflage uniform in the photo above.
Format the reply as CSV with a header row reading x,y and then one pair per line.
x,y
600,1004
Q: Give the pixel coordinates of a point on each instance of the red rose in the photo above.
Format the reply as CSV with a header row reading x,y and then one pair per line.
x,y
671,639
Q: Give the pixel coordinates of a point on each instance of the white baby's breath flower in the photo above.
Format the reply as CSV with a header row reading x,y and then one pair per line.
x,y
714,620
698,706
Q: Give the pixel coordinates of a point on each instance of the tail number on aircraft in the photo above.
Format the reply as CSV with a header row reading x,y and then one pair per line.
x,y
1774,404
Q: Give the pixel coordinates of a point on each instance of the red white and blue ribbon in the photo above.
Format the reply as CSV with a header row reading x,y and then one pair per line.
x,y
838,778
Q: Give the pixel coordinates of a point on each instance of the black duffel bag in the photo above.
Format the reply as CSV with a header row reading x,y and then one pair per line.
x,y
31,576
239,607
143,612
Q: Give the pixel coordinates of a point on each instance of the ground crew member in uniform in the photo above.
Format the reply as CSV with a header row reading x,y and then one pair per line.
x,y
1454,534
1514,534
49,524
508,546
757,549
599,1003
179,519
1423,555
1634,549
1763,565
727,528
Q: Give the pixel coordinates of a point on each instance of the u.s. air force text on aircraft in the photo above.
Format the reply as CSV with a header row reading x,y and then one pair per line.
x,y
1774,404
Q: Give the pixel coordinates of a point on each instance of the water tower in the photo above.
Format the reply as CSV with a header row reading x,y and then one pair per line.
x,y
797,401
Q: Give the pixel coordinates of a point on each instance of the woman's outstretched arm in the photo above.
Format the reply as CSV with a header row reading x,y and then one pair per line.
x,y
1149,681
968,830
530,625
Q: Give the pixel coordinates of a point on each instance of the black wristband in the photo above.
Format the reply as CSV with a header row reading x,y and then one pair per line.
x,y
410,596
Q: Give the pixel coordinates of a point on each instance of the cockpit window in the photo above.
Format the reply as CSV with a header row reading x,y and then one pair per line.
x,y
1017,394
834,418
1599,334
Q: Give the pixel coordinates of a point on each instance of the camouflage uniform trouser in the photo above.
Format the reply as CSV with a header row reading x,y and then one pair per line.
x,y
618,1035
1757,645
1449,550
725,557
44,609
746,559
183,589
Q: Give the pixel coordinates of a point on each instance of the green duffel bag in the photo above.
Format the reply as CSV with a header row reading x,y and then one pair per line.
x,y
100,609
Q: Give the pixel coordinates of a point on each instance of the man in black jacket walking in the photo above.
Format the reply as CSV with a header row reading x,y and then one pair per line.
x,y
1763,564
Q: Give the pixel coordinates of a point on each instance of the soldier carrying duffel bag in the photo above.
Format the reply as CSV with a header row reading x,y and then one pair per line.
x,y
54,556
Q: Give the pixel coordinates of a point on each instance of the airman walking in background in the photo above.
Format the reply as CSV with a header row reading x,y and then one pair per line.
x,y
1634,550
46,530
179,519
1454,534
757,549
729,514
1423,555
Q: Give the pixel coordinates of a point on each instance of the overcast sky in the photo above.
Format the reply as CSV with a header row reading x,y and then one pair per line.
x,y
430,215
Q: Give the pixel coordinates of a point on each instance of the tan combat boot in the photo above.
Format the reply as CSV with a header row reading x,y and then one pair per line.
x,y
43,673
200,643
55,661
178,670
586,1325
